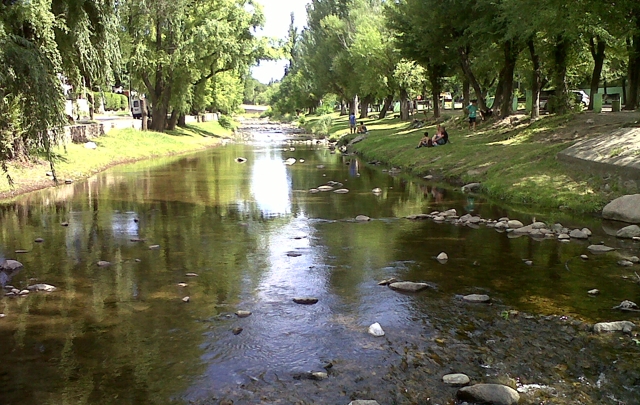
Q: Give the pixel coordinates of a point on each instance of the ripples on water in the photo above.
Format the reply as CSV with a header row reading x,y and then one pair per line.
x,y
121,334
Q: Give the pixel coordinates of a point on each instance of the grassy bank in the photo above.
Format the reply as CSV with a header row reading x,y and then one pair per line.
x,y
515,162
76,162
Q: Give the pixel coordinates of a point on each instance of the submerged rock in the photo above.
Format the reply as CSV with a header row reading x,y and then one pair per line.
x,y
11,265
305,300
388,281
600,248
625,209
495,394
471,188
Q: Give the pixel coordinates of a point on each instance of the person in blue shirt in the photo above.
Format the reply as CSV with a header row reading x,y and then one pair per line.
x,y
473,111
352,123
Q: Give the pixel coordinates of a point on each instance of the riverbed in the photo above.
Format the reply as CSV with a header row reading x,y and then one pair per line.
x,y
191,240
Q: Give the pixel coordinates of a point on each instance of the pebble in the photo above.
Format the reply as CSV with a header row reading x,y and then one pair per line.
x,y
305,300
595,291
243,314
186,299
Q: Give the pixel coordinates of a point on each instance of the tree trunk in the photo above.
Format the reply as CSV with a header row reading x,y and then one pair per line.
x,y
597,52
159,118
143,108
560,53
633,72
434,80
466,69
506,100
173,120
386,105
466,97
182,120
497,100
404,105
536,80
364,106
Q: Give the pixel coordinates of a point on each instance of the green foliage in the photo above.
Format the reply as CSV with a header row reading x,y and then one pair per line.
x,y
323,125
225,121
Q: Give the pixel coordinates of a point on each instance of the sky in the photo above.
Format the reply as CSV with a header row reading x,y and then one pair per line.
x,y
277,14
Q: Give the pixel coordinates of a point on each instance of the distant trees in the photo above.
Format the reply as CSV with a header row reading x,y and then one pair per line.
x,y
493,49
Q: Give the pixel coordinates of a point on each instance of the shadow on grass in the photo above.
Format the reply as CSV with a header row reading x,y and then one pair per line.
x,y
193,130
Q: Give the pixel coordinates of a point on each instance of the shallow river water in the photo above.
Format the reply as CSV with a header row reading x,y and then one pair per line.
x,y
254,238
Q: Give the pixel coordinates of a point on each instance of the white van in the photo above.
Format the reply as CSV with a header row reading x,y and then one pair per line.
x,y
136,108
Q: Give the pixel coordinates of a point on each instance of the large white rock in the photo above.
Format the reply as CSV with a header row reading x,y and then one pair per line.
x,y
42,287
376,330
625,209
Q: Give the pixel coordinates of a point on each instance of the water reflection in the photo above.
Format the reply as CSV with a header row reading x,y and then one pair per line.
x,y
255,239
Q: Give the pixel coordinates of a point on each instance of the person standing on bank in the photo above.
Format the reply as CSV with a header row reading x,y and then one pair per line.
x,y
352,123
473,112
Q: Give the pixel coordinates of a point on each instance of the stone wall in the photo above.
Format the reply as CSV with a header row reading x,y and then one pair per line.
x,y
82,133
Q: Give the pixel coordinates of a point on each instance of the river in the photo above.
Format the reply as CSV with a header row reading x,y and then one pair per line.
x,y
249,236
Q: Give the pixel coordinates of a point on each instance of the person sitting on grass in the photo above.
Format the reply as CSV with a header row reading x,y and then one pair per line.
x,y
441,137
425,142
362,129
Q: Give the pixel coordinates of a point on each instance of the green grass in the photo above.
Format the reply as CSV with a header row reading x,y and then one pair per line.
x,y
74,161
516,166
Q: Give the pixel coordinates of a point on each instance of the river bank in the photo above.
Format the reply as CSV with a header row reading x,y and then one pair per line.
x,y
74,162
515,159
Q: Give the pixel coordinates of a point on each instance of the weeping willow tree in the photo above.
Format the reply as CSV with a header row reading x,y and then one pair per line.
x,y
42,42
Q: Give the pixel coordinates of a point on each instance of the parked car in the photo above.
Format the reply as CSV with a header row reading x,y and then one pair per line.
x,y
580,97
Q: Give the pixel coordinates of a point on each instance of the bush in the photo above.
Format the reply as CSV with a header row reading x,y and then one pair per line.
x,y
225,122
323,125
124,102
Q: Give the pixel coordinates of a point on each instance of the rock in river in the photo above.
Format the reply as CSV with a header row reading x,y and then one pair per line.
x,y
628,232
477,298
42,287
442,256
341,191
364,402
409,286
376,330
362,218
11,265
104,263
496,394
619,326
305,300
456,379
625,209
243,314
578,234
600,248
